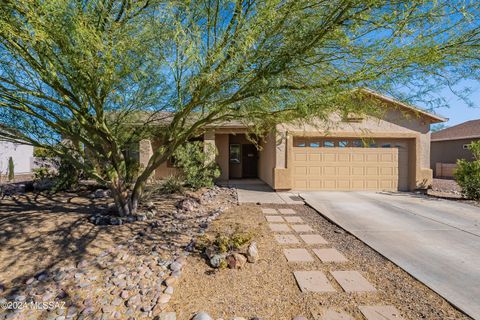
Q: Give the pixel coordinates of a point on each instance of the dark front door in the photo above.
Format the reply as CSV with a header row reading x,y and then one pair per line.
x,y
249,160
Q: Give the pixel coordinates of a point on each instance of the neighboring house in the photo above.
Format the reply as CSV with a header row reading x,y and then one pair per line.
x,y
367,153
21,154
450,144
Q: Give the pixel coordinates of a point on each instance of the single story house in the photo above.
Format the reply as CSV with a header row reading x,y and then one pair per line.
x,y
21,154
450,144
391,152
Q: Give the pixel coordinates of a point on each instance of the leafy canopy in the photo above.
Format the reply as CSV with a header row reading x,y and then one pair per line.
x,y
103,74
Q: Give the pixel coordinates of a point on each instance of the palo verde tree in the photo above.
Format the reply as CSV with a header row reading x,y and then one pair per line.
x,y
87,79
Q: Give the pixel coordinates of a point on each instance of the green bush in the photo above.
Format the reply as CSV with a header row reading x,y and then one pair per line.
x,y
198,168
173,184
467,173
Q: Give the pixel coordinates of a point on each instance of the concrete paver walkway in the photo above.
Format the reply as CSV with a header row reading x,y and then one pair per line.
x,y
316,281
257,191
436,241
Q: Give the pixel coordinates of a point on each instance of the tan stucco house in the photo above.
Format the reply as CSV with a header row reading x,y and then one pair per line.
x,y
450,144
390,152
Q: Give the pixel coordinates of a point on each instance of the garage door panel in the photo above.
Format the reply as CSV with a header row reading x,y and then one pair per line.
x,y
315,171
346,168
358,157
343,171
329,171
358,171
329,157
300,157
300,170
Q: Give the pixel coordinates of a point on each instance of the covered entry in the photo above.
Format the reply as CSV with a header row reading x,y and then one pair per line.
x,y
349,164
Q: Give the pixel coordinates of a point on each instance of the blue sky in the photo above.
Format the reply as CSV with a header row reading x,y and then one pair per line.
x,y
458,110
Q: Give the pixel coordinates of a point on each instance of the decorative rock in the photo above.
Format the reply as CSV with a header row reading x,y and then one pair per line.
x,y
124,294
169,290
117,301
30,280
252,252
216,260
170,281
166,316
236,261
175,266
164,298
202,316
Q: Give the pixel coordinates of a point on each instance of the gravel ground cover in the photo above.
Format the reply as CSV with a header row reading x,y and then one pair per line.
x,y
267,289
449,189
50,252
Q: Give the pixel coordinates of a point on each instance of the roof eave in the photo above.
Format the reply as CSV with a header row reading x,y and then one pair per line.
x,y
433,117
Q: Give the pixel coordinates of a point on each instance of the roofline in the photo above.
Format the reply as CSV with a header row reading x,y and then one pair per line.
x,y
434,117
455,138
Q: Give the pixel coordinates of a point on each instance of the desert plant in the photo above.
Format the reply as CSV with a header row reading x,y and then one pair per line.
x,y
467,173
197,165
11,169
173,184
105,74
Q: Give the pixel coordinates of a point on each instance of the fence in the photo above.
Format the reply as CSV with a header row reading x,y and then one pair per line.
x,y
444,170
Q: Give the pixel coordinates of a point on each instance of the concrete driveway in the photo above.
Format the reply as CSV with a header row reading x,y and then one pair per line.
x,y
436,241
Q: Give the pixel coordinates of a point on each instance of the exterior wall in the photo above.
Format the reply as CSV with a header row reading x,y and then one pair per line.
x,y
21,154
164,170
449,151
222,144
267,159
393,124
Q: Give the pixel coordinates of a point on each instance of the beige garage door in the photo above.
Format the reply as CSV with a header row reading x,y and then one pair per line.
x,y
316,167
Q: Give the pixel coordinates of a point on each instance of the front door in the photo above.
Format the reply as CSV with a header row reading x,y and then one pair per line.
x,y
249,160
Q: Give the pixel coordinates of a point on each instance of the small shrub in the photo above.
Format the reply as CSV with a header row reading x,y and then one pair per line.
x,y
197,167
11,169
173,184
467,173
42,173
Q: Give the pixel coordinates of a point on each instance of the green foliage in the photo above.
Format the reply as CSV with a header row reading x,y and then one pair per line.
x,y
226,241
104,75
11,169
198,166
40,152
42,173
67,177
467,173
172,184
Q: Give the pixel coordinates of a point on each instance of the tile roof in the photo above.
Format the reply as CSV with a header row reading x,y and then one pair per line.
x,y
466,130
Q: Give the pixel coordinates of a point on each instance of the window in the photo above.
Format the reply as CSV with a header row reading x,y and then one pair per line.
x,y
314,144
235,153
343,144
328,144
386,145
299,142
372,145
357,143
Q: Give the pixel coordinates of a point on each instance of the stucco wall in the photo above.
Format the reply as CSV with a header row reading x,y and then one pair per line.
x,y
21,154
266,160
449,151
221,142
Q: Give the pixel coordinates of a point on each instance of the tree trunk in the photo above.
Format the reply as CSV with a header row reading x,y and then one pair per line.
x,y
125,202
